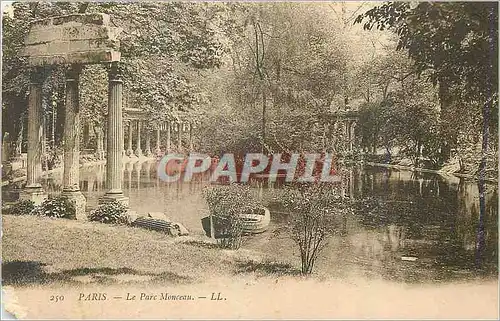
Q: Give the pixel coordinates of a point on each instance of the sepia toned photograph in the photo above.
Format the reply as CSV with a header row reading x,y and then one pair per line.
x,y
249,160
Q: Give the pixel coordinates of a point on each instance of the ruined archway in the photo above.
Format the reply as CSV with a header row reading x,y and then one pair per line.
x,y
74,41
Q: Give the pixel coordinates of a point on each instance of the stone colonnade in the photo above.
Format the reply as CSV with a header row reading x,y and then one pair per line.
x,y
73,41
136,128
113,144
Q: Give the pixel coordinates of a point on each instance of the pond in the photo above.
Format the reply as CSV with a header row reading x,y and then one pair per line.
x,y
433,231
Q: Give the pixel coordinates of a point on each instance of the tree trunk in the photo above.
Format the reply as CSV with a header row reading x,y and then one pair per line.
x,y
448,134
263,118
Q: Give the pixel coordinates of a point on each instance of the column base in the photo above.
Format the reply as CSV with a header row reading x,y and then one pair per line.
x,y
80,202
113,196
149,154
35,194
138,153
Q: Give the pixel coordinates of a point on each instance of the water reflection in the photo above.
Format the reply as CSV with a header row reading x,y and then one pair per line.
x,y
425,216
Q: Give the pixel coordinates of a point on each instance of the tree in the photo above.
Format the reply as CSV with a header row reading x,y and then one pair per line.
x,y
315,210
161,45
457,45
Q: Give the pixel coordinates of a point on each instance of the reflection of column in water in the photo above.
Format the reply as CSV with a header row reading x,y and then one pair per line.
x,y
420,183
99,176
261,189
372,179
147,168
157,182
129,172
91,181
178,187
396,236
137,168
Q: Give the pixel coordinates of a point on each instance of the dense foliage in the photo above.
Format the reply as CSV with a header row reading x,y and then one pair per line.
x,y
112,212
21,207
226,205
272,76
56,207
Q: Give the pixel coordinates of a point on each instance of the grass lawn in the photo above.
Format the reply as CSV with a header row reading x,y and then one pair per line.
x,y
43,257
44,250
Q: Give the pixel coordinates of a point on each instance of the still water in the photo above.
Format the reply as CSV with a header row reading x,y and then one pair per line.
x,y
433,231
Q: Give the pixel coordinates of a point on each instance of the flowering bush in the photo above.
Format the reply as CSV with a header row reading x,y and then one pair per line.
x,y
112,212
57,207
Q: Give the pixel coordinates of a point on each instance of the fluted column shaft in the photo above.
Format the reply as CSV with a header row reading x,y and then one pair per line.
x,y
169,129
115,136
35,130
71,177
179,136
100,143
190,136
148,143
130,151
158,150
138,150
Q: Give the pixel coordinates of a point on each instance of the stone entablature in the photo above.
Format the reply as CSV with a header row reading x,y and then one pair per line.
x,y
72,39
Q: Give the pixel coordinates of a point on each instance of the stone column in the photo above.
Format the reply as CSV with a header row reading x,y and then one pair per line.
x,y
148,143
157,149
169,129
179,136
71,174
353,134
86,135
130,151
105,141
33,190
100,143
114,174
138,150
191,136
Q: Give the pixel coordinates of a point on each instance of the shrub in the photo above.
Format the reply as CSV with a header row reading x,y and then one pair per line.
x,y
57,207
314,210
227,203
24,207
112,212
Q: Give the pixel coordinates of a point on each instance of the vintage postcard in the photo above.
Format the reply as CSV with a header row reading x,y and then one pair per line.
x,y
249,160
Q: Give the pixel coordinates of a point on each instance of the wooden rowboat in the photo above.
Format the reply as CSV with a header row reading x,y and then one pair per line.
x,y
252,223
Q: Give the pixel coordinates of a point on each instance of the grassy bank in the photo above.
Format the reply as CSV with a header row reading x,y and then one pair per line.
x,y
43,250
43,257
